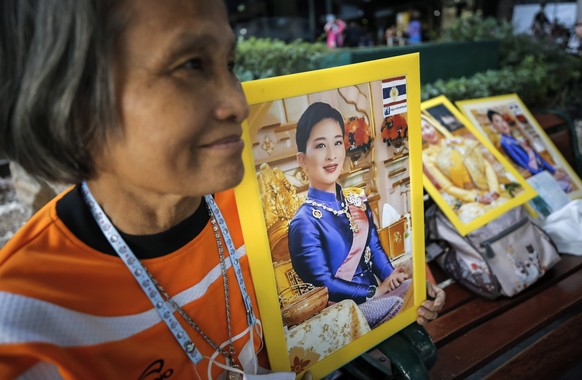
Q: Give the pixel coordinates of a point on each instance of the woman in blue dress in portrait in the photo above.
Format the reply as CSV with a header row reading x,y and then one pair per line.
x,y
522,153
333,240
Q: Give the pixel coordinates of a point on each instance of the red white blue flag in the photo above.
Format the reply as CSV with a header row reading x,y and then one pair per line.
x,y
394,96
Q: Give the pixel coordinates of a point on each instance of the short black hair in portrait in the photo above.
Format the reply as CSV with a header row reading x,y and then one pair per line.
x,y
56,83
315,113
490,114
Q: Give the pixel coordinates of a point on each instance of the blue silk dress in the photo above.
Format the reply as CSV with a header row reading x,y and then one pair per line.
x,y
320,241
511,146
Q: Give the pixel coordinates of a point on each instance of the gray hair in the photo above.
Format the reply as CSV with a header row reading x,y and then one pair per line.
x,y
56,84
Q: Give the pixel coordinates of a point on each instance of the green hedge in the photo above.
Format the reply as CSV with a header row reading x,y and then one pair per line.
x,y
538,82
263,58
259,58
438,60
542,74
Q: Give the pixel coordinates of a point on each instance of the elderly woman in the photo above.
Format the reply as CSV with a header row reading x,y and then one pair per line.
x,y
135,102
139,270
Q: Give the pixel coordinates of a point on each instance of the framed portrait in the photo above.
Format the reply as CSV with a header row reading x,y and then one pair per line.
x,y
467,177
331,209
507,123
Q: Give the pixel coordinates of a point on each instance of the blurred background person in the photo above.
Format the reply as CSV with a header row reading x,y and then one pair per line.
x,y
334,29
414,29
575,41
353,35
541,25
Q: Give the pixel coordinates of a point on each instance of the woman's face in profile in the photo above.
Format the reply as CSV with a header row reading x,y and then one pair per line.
x,y
324,155
180,104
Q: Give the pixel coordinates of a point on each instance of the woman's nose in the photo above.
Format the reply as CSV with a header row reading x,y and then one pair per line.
x,y
330,154
232,103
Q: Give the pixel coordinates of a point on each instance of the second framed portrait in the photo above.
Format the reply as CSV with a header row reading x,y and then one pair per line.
x,y
466,176
507,124
330,209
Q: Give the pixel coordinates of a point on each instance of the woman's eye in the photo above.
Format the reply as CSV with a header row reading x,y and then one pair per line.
x,y
320,145
339,142
193,64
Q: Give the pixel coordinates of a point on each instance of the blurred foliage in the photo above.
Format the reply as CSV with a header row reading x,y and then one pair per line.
x,y
475,28
540,72
264,57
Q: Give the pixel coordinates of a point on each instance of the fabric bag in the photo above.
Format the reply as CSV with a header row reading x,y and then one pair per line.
x,y
565,228
502,258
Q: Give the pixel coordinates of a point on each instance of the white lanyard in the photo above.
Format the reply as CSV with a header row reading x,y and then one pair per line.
x,y
139,272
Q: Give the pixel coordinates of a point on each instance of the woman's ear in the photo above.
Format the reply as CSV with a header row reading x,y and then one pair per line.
x,y
301,159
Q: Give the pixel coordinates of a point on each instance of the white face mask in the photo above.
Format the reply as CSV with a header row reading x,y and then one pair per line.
x,y
249,361
248,356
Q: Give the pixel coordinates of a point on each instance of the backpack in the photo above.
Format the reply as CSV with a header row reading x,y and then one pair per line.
x,y
502,258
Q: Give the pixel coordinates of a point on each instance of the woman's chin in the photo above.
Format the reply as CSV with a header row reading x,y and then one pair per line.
x,y
234,178
222,180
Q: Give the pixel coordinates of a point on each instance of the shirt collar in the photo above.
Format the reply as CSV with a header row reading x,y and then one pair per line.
x,y
325,196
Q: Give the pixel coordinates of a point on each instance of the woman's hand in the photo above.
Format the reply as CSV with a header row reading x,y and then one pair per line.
x,y
487,198
430,308
397,277
560,174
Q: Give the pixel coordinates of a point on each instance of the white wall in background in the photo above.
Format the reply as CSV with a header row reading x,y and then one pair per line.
x,y
565,13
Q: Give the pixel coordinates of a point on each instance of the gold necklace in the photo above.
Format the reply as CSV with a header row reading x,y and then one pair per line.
x,y
345,211
227,354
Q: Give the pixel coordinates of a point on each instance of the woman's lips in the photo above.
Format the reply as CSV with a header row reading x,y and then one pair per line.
x,y
224,143
330,168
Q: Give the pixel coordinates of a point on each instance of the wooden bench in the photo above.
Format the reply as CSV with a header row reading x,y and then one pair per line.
x,y
472,332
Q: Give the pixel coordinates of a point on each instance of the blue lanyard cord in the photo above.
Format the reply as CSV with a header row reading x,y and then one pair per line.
x,y
233,255
140,274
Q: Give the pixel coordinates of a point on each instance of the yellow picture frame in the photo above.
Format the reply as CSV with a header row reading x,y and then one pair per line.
x,y
377,167
512,107
464,192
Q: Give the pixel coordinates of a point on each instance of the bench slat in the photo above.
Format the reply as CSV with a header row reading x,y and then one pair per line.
x,y
457,296
466,315
476,347
549,356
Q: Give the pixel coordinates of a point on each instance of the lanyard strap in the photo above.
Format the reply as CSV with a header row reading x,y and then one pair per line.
x,y
234,259
139,273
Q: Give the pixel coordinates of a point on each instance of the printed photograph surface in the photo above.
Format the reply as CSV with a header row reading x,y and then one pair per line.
x,y
507,123
468,178
335,181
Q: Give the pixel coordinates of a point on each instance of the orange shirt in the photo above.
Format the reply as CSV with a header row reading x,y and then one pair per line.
x,y
70,310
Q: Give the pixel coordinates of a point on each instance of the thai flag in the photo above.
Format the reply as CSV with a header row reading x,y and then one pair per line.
x,y
513,107
394,96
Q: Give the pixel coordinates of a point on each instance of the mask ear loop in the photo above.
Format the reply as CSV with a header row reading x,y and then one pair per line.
x,y
197,374
219,364
258,329
212,359
254,360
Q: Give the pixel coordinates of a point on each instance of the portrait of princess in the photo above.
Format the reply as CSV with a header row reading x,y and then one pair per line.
x,y
333,240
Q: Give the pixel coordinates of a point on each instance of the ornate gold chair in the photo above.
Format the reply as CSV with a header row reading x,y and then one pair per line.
x,y
298,300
